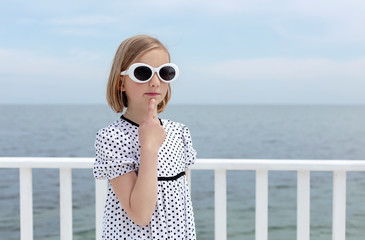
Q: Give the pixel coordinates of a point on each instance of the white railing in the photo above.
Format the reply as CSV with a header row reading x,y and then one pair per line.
x,y
220,166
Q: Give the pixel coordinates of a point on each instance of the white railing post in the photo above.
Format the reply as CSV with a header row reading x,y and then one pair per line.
x,y
220,204
101,192
261,226
65,204
26,204
303,205
339,206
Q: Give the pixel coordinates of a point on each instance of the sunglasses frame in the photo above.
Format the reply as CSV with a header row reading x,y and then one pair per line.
x,y
130,72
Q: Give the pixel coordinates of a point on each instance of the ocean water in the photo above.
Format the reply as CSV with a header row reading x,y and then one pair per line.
x,y
236,131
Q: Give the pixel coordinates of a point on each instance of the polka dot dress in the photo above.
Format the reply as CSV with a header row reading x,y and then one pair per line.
x,y
118,152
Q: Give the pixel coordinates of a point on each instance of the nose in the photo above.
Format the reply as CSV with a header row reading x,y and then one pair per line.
x,y
155,81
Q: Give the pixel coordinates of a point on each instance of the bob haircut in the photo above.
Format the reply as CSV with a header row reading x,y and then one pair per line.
x,y
127,52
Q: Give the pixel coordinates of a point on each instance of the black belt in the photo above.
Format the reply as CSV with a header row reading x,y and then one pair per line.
x,y
171,178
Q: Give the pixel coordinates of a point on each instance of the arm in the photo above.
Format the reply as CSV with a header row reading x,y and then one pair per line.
x,y
138,194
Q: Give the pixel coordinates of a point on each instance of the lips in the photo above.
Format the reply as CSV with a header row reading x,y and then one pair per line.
x,y
152,94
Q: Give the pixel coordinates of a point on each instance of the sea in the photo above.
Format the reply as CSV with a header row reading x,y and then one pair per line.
x,y
313,132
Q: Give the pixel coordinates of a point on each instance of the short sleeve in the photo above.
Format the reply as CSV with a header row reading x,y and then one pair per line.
x,y
114,155
190,153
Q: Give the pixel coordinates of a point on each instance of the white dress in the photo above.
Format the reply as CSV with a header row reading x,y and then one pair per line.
x,y
118,152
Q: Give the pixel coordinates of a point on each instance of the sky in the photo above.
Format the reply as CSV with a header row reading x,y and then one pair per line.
x,y
228,52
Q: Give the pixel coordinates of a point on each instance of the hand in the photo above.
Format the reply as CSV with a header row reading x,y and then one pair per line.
x,y
151,133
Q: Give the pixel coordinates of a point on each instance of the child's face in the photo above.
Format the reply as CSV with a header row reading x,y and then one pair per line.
x,y
140,94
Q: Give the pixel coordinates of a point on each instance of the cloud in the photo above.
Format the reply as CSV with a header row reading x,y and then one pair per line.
x,y
28,77
273,81
337,20
81,32
30,65
285,69
311,8
83,20
196,32
88,25
261,80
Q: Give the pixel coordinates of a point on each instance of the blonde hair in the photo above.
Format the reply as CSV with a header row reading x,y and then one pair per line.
x,y
127,52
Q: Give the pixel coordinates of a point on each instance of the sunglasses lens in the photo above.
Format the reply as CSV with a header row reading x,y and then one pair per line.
x,y
167,73
142,73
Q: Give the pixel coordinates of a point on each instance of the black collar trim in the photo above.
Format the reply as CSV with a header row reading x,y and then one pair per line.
x,y
133,123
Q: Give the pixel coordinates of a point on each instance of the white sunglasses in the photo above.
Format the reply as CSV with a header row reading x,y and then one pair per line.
x,y
141,72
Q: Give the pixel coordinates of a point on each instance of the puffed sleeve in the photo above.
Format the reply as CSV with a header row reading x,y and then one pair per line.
x,y
114,154
190,153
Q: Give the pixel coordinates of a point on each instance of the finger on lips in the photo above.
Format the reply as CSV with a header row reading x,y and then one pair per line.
x,y
152,109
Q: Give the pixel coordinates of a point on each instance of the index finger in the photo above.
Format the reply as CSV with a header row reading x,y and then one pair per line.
x,y
152,108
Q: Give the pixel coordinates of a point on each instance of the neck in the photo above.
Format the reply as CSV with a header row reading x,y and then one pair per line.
x,y
136,115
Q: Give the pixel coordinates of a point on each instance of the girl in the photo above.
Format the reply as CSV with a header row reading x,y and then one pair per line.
x,y
144,157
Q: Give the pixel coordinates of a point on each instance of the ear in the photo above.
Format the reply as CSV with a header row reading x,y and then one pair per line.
x,y
121,84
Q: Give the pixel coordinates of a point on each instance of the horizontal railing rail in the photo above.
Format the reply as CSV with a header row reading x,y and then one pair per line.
x,y
220,166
